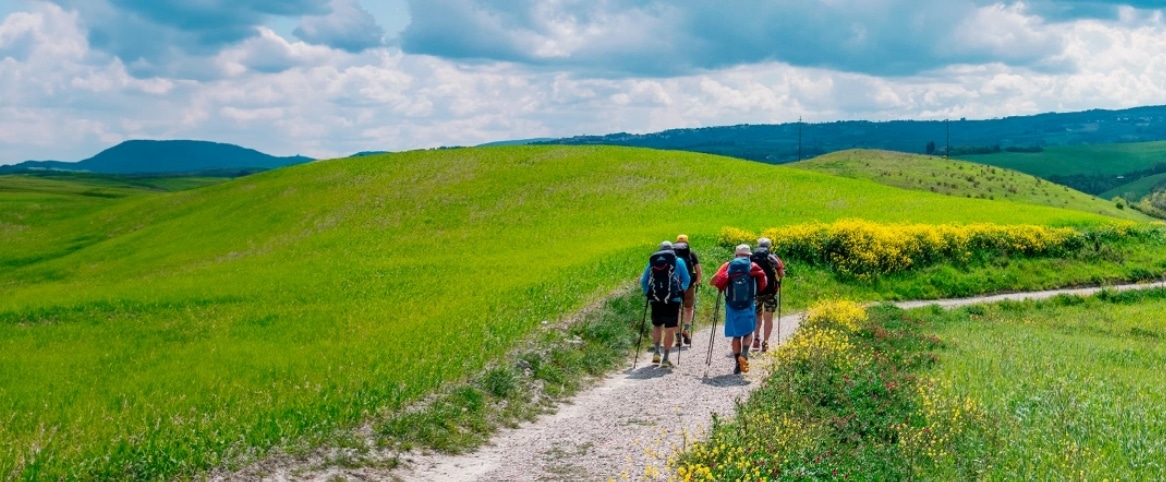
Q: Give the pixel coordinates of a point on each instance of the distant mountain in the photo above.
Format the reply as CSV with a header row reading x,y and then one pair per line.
x,y
516,142
779,143
166,157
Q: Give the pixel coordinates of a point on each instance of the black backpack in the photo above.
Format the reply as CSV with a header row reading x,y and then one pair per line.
x,y
761,257
663,285
684,252
742,289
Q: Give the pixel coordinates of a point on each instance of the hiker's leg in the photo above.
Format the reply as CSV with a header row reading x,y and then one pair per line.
x,y
736,345
671,319
767,324
689,306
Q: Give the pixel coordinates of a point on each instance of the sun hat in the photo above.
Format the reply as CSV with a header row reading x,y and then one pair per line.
x,y
743,250
666,245
683,238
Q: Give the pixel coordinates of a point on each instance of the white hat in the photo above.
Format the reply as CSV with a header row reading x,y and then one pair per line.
x,y
764,243
743,250
666,245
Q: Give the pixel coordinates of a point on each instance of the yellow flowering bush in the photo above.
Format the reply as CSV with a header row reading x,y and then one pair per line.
x,y
841,314
862,248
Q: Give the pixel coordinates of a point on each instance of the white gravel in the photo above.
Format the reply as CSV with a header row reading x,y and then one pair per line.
x,y
625,427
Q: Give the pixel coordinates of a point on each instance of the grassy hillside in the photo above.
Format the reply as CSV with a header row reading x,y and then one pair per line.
x,y
154,335
958,178
1100,159
1136,190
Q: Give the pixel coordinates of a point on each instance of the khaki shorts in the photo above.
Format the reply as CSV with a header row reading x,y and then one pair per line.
x,y
766,302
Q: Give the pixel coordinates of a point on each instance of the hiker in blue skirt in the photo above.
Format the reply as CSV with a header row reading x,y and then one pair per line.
x,y
740,279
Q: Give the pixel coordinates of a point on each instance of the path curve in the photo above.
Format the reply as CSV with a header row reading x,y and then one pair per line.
x,y
627,424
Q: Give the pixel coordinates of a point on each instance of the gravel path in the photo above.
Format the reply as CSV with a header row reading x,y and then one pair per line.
x,y
628,424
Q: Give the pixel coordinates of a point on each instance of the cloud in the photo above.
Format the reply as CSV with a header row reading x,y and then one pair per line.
x,y
678,37
348,27
157,37
61,97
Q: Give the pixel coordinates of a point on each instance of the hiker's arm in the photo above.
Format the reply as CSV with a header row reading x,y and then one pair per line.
x,y
644,279
699,275
721,279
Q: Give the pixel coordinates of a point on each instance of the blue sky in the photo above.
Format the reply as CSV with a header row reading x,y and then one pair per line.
x,y
331,77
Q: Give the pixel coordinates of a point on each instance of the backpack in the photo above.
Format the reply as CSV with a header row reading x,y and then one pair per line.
x,y
663,285
742,289
761,257
684,252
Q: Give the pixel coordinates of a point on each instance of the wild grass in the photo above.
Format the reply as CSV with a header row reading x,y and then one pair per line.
x,y
1071,387
1065,389
1099,159
961,179
157,335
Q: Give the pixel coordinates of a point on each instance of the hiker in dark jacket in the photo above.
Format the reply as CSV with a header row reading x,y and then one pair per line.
x,y
665,306
767,298
685,252
740,279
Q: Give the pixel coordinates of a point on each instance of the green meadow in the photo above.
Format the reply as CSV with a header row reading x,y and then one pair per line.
x,y
960,179
1070,388
149,335
1089,160
1138,189
1065,389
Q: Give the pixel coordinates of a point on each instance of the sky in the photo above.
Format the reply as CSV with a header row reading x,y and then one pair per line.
x,y
327,78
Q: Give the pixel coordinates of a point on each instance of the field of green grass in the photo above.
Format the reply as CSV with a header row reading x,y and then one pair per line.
x,y
1071,388
1065,389
960,179
1136,190
156,335
1102,159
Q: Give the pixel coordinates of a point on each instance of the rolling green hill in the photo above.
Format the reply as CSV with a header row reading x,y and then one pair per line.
x,y
1136,190
153,335
1100,159
959,179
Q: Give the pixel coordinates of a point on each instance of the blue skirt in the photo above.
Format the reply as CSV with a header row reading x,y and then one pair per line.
x,y
740,323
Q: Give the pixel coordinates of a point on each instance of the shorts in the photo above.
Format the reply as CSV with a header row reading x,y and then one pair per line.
x,y
766,302
690,296
666,314
739,323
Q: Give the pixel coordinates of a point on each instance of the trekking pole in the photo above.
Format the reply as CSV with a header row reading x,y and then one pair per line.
x,y
708,360
643,321
679,320
779,290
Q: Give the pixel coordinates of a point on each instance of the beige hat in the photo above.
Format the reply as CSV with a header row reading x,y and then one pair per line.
x,y
743,250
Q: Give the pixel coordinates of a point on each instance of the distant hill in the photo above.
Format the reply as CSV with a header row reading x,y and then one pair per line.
x,y
1093,169
959,179
167,157
779,143
516,142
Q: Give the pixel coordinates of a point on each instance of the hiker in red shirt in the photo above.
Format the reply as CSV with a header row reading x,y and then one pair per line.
x,y
741,280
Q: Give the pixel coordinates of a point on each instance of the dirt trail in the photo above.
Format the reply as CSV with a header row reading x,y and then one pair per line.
x,y
627,424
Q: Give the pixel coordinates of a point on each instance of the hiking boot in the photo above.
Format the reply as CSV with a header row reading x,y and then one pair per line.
x,y
666,363
764,346
656,357
687,337
742,364
756,344
737,366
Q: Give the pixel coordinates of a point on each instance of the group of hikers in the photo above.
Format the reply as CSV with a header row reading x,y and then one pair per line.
x,y
750,284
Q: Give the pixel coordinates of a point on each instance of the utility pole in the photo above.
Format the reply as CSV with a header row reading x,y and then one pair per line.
x,y
947,150
799,138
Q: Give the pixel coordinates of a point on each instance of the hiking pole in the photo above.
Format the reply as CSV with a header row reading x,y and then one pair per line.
x,y
708,360
679,319
643,321
779,290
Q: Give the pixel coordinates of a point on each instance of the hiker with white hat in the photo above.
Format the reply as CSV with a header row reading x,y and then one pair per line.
x,y
740,279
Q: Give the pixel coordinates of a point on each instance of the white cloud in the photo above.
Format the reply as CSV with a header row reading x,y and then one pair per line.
x,y
66,101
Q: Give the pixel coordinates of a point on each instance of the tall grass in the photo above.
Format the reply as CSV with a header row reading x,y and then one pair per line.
x,y
157,335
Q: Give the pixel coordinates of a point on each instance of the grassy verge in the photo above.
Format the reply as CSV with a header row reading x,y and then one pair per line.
x,y
1066,389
